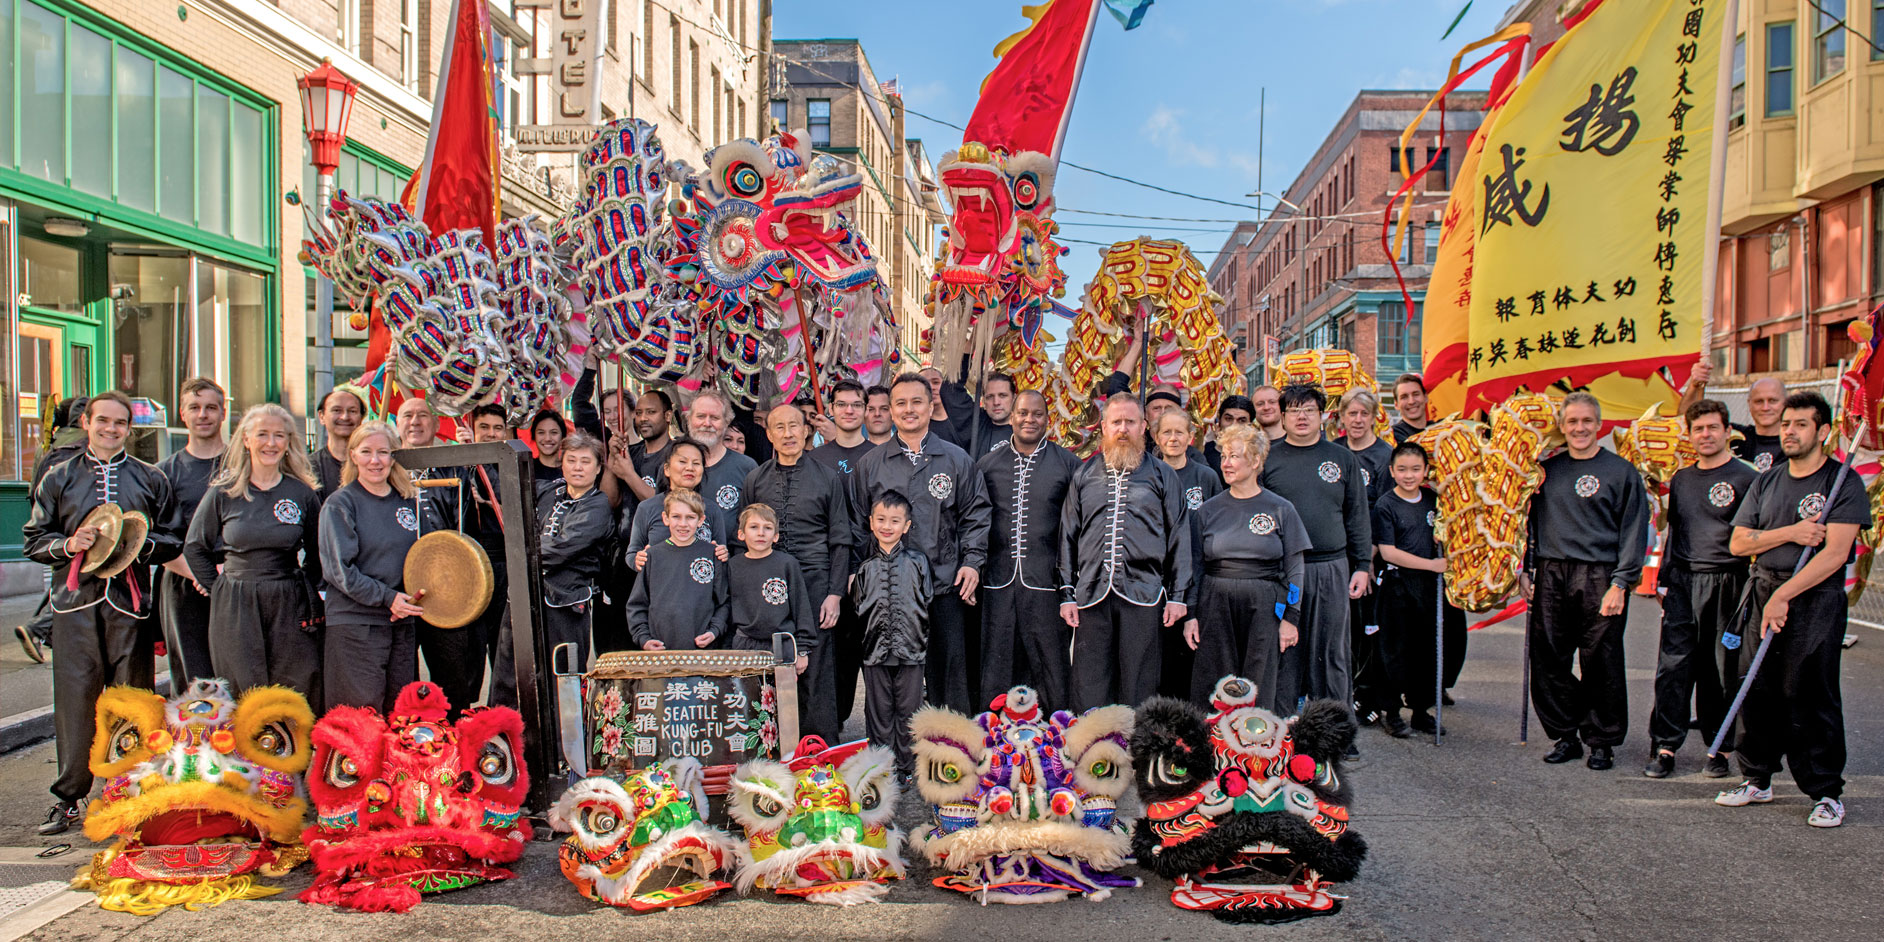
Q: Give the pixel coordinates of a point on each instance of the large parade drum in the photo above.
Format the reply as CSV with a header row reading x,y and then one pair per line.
x,y
719,707
454,574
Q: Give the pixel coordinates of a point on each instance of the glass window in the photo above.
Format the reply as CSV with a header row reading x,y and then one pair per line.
x,y
1877,20
42,93
1432,243
91,112
1397,342
176,163
7,73
245,174
9,389
1828,39
137,132
49,276
154,336
818,120
1737,99
1778,69
231,308
212,160
1439,178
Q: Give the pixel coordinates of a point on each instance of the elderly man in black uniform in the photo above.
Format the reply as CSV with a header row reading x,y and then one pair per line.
x,y
101,632
816,529
1024,481
1589,528
1125,562
949,523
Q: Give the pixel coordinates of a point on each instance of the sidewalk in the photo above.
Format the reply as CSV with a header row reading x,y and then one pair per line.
x,y
25,686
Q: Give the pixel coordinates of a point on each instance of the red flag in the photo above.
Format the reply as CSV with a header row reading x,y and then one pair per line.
x,y
1027,99
1864,382
456,185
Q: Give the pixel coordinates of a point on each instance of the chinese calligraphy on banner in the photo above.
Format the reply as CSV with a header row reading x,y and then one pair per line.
x,y
1587,206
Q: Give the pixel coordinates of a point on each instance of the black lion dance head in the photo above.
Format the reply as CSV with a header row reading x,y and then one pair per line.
x,y
1246,811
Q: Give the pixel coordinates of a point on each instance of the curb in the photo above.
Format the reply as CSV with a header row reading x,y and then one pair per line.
x,y
31,726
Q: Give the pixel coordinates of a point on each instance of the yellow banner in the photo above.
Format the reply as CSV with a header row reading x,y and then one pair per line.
x,y
1445,314
1590,208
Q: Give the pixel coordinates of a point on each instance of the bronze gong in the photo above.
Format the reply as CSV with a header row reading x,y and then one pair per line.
x,y
454,575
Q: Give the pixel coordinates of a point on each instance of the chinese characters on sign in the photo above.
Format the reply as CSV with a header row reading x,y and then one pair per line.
x,y
720,720
574,67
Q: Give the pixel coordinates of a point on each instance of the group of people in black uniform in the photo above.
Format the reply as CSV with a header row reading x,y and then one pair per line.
x,y
944,549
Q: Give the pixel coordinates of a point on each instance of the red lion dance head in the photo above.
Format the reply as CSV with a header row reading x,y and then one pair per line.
x,y
412,803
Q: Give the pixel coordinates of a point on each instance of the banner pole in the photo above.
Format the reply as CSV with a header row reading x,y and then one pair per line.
x,y
1717,176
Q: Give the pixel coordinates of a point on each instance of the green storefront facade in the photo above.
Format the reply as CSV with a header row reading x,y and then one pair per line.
x,y
139,232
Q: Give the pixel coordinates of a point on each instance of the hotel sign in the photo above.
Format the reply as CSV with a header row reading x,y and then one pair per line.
x,y
574,67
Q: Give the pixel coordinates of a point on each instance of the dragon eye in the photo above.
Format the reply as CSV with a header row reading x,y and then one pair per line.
x,y
1101,769
744,180
495,764
276,740
949,773
1164,772
1026,190
602,821
766,807
871,798
342,772
124,741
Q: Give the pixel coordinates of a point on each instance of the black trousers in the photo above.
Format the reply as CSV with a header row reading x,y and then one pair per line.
x,y
1412,618
1698,608
1116,653
1238,634
892,694
947,669
184,616
1319,666
610,629
846,647
92,648
1457,634
561,625
454,660
1372,689
1024,642
367,665
256,636
1566,632
1795,710
817,696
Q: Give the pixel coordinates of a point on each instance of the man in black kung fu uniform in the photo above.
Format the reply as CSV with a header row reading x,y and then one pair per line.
x,y
1023,640
1125,563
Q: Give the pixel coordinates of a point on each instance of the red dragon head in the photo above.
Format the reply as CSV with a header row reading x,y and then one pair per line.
x,y
806,223
997,201
412,803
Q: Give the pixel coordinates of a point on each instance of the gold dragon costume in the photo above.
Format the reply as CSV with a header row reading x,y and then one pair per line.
x,y
203,794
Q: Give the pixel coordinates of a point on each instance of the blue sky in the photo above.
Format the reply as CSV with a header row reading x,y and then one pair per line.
x,y
1173,102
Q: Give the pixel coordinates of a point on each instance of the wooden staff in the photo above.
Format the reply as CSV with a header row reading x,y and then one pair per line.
x,y
804,342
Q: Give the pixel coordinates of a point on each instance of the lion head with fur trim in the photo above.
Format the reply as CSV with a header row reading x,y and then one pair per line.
x,y
820,827
629,840
202,793
1025,805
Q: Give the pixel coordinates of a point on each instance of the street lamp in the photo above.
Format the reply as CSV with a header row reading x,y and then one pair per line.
x,y
326,105
1301,252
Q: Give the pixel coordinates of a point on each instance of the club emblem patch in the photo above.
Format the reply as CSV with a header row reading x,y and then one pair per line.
x,y
1810,505
1193,497
1721,494
1367,478
773,591
1262,524
287,511
1763,461
1329,471
705,532
1431,518
1588,485
727,497
407,518
701,570
648,479
941,486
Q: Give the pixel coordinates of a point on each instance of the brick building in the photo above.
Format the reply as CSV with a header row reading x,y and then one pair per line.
x,y
151,155
1313,272
827,87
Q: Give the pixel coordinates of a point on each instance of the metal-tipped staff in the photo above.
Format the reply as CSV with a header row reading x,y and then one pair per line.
x,y
1766,641
1439,656
1524,688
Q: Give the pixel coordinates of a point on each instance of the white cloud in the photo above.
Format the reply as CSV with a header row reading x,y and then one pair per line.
x,y
1165,128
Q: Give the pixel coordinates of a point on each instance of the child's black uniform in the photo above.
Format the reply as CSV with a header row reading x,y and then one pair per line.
x,y
682,593
1409,621
769,595
892,595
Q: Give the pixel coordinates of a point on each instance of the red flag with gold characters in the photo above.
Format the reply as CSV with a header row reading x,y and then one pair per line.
x,y
456,185
1026,101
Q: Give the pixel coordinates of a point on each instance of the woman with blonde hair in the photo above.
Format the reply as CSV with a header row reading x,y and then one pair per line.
x,y
1251,576
245,547
371,647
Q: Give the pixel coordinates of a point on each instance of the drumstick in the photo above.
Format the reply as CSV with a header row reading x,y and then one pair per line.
x,y
436,482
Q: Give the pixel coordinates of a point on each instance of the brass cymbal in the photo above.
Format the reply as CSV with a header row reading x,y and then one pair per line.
x,y
109,519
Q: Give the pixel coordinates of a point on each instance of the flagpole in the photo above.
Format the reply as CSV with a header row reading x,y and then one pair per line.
x,y
1717,176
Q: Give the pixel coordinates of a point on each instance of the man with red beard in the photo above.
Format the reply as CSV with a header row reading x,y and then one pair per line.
x,y
1125,562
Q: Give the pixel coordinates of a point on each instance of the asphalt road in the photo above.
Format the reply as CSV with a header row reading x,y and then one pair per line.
x,y
1476,839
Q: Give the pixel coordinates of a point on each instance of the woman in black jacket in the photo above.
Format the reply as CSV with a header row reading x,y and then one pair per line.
x,y
367,528
257,521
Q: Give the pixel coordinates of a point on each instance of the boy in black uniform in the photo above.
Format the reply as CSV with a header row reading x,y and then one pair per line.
x,y
1701,585
1589,529
690,610
1794,709
892,594
767,591
1411,593
1323,480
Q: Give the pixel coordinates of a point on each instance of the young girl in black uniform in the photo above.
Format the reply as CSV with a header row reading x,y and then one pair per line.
x,y
1410,589
247,542
367,527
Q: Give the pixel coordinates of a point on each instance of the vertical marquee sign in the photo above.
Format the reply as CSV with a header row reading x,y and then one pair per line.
x,y
574,67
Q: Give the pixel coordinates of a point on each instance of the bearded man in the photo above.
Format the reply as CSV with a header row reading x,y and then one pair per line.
x,y
1125,562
